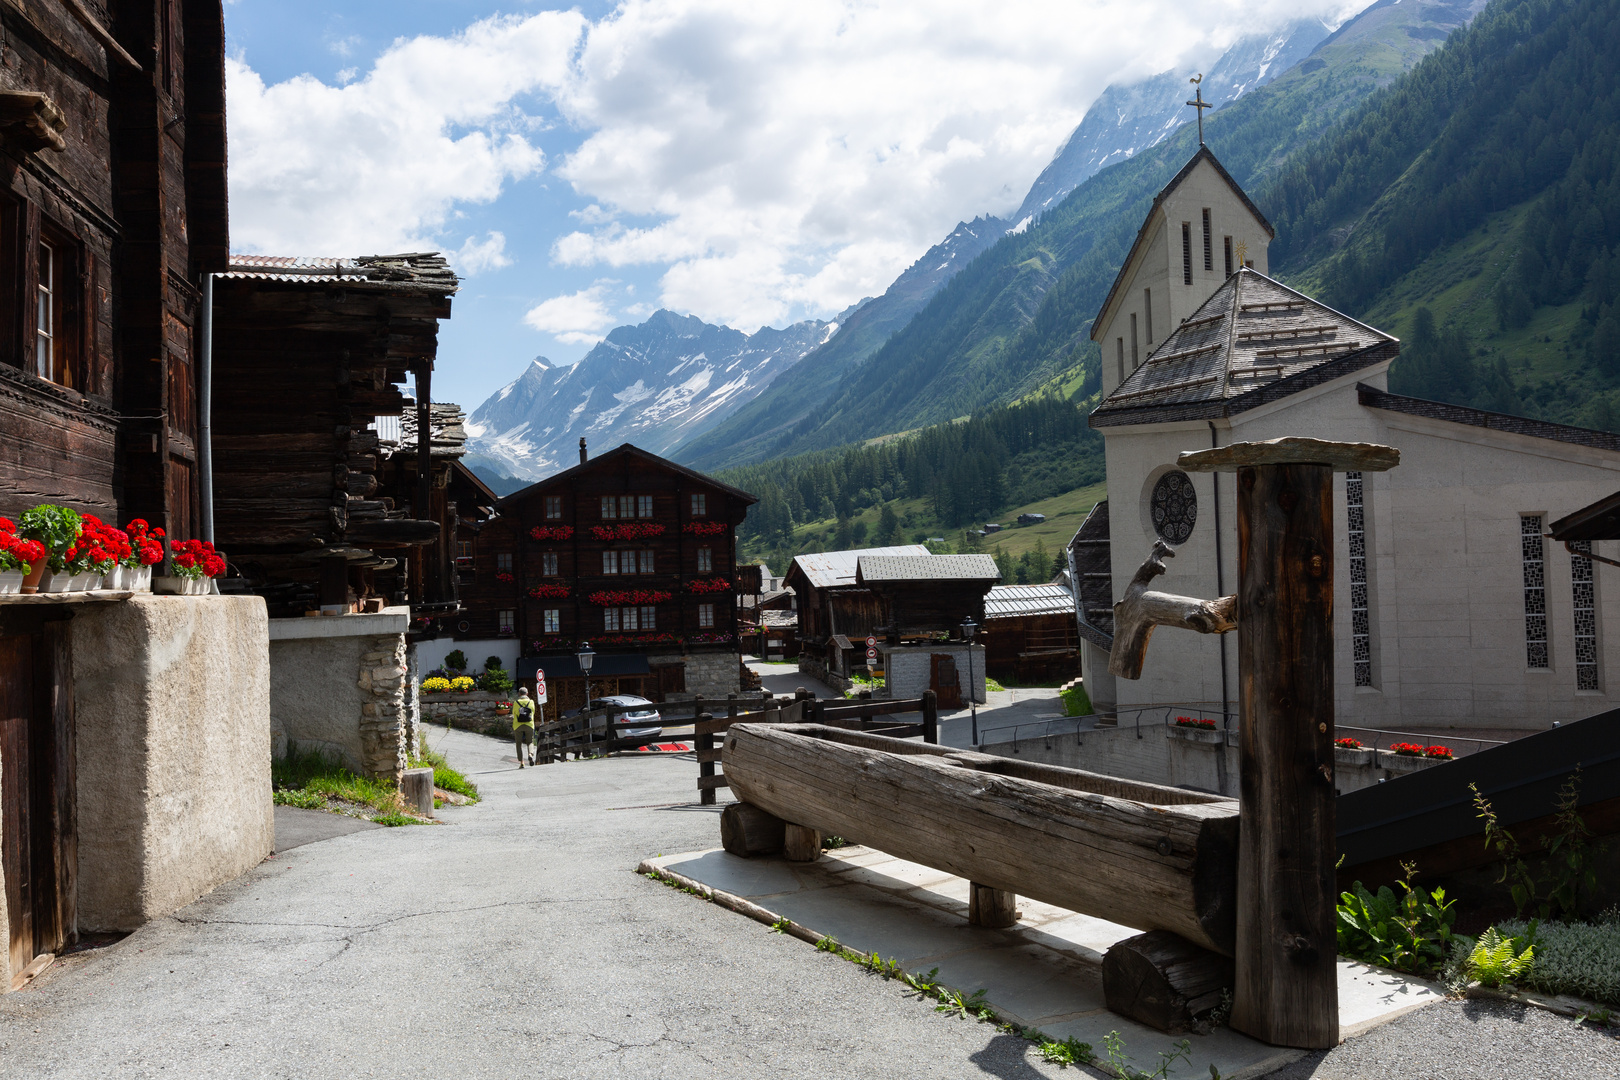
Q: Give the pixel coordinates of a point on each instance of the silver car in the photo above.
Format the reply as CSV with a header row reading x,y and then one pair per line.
x,y
643,721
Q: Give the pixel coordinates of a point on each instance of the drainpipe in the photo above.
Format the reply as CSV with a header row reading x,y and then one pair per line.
x,y
205,411
432,591
1220,582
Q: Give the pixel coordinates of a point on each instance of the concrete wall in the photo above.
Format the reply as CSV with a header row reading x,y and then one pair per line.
x,y
908,669
1200,760
1444,567
338,683
172,696
431,653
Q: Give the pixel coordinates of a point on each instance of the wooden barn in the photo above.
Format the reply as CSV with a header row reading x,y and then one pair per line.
x,y
630,553
833,610
322,495
1030,634
923,595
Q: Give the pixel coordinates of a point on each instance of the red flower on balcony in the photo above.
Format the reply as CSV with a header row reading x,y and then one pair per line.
x,y
1406,749
710,585
1192,722
552,532
626,597
504,577
1437,752
549,592
1347,744
641,530
704,528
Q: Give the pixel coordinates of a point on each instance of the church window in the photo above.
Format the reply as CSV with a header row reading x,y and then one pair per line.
x,y
1119,350
1228,244
1209,251
1174,508
1585,587
1186,253
1533,553
1360,615
1135,352
1147,312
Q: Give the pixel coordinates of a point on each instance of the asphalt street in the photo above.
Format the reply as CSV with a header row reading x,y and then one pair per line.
x,y
514,940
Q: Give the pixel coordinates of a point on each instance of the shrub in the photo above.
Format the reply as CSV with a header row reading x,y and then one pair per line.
x,y
496,680
492,663
1497,958
1411,933
456,661
1582,959
1076,702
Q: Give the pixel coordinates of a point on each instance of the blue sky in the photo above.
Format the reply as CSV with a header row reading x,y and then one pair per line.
x,y
747,163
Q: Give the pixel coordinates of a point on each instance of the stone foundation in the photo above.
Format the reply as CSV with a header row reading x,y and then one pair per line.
x,y
708,674
173,752
338,683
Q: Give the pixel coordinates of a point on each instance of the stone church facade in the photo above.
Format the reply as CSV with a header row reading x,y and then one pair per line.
x,y
1452,610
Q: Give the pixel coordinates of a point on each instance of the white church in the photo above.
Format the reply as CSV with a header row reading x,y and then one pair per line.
x,y
1452,608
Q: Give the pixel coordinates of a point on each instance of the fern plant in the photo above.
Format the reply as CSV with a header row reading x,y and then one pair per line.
x,y
1498,958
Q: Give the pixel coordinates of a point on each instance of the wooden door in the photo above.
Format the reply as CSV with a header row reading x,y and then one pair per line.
x,y
943,681
671,680
16,709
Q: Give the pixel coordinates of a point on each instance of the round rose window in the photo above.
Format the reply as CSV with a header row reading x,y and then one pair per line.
x,y
1174,507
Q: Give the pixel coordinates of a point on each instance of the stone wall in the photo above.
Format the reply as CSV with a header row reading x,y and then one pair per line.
x,y
1186,758
708,674
338,683
173,752
908,669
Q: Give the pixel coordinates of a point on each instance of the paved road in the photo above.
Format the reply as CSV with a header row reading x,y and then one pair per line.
x,y
514,941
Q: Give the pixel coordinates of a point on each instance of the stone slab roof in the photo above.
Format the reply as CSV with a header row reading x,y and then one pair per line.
x,y
872,567
1374,398
415,270
1251,342
1011,601
829,569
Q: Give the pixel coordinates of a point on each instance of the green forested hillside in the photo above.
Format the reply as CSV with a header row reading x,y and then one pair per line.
x,y
1473,208
1016,318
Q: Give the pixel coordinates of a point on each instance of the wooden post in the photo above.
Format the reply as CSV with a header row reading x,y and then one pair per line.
x,y
747,830
994,909
930,717
801,843
1287,986
704,741
1163,980
416,788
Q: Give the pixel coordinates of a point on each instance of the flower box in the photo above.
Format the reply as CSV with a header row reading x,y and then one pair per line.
x,y
1404,763
1360,755
11,582
1197,734
179,586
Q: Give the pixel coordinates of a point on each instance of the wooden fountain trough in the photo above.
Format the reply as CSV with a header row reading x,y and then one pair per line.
x,y
1141,855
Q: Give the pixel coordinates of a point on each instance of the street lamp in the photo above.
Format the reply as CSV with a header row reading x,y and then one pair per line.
x,y
969,628
586,658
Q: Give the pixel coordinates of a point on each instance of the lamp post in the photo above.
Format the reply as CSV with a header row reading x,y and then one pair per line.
x,y
969,628
586,657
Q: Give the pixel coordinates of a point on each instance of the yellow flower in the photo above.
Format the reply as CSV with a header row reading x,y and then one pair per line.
x,y
435,685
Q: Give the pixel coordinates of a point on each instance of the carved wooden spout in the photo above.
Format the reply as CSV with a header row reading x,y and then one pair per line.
x,y
1141,610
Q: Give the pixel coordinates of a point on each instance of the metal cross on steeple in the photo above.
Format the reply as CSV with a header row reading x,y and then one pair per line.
x,y
1200,104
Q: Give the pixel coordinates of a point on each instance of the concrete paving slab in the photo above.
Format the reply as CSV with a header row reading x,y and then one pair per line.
x,y
296,827
1043,972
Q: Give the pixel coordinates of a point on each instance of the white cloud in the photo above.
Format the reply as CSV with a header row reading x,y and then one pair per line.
x,y
379,164
769,161
475,256
577,319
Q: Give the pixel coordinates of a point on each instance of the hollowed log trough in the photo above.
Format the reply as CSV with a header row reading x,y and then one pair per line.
x,y
1141,855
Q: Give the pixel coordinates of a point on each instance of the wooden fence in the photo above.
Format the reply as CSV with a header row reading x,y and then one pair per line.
x,y
596,731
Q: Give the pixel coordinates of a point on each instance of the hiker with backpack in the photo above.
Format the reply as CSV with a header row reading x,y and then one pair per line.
x,y
523,714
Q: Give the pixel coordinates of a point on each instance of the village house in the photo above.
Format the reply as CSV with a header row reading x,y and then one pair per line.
x,y
134,730
1452,611
1029,634
627,552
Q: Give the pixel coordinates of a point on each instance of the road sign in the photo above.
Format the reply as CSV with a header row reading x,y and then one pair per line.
x,y
540,687
871,642
871,654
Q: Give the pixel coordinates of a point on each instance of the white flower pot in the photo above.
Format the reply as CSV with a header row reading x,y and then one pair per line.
x,y
86,582
53,582
114,578
171,586
142,580
10,582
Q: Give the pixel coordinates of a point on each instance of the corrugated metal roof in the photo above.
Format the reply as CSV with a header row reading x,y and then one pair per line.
x,y
1010,601
1251,333
875,567
827,569
428,269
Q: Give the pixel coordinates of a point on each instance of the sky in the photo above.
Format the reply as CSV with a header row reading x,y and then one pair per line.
x,y
749,163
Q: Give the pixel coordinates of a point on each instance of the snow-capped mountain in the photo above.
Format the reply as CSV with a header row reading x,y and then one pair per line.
x,y
1126,120
654,385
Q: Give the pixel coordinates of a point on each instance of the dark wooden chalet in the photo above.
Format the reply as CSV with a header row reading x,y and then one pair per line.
x,y
835,614
320,490
1029,634
112,213
923,595
629,552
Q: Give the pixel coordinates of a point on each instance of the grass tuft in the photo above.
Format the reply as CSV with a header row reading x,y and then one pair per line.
x,y
314,780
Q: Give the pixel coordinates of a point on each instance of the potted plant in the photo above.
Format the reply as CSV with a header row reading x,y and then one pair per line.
x,y
196,564
18,556
1349,751
57,529
98,549
146,551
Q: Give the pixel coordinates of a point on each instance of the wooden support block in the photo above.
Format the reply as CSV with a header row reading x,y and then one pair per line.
x,y
996,909
747,830
416,788
1163,980
801,844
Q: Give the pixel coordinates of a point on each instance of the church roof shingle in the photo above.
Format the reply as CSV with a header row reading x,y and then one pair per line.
x,y
1254,341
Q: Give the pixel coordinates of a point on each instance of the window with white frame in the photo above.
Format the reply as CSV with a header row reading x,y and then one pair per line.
x,y
553,507
1584,584
548,564
644,506
1533,555
553,620
706,615
705,560
610,562
610,620
646,561
649,617
610,507
503,562
626,619
508,620
700,506
1360,603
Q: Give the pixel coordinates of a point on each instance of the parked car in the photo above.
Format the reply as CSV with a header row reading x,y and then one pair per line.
x,y
647,721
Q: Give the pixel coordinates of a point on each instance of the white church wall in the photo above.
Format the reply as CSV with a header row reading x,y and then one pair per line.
x,y
1444,566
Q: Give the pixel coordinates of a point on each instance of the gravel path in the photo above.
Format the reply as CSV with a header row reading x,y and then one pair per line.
x,y
1469,1040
